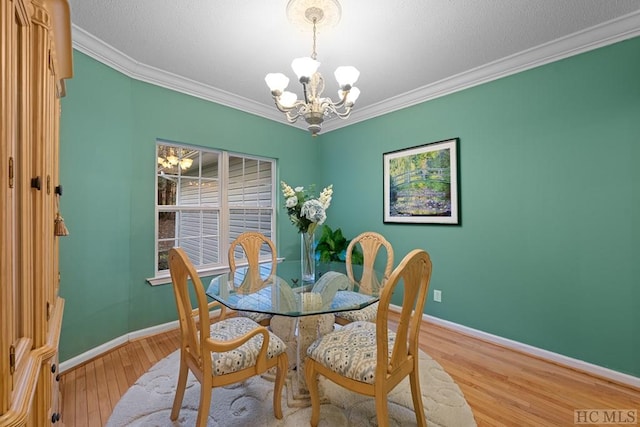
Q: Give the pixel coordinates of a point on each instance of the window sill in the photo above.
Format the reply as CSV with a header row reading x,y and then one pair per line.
x,y
163,279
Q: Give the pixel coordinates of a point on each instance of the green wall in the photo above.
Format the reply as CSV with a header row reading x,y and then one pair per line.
x,y
108,133
546,253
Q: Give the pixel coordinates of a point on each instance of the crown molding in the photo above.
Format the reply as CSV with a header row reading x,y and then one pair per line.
x,y
616,30
108,55
622,28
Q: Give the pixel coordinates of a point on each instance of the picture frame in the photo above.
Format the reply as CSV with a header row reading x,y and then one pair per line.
x,y
421,184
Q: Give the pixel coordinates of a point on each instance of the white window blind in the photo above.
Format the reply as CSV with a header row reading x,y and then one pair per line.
x,y
203,204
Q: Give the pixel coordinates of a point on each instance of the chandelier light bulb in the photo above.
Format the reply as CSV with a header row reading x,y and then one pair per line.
x,y
346,76
277,82
304,68
288,99
352,95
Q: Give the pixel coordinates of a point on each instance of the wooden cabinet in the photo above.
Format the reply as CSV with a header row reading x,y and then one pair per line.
x,y
35,59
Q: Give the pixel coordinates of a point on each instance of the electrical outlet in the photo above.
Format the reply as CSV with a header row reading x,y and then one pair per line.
x,y
437,295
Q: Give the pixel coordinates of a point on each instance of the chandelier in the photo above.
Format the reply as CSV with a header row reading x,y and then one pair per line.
x,y
314,108
169,157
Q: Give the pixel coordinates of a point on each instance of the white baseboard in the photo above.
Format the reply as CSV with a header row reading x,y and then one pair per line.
x,y
550,356
560,359
97,351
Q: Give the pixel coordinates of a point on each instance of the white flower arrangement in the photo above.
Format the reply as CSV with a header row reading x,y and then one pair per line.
x,y
306,211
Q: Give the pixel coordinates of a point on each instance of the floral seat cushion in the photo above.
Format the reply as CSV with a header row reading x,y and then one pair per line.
x,y
350,351
256,317
245,355
367,314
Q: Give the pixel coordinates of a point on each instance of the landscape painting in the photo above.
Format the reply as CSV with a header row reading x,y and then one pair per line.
x,y
421,184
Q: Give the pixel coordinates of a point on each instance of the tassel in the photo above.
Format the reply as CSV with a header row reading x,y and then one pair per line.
x,y
59,229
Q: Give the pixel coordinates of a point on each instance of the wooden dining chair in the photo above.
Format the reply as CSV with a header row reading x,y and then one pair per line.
x,y
369,358
370,243
249,245
220,353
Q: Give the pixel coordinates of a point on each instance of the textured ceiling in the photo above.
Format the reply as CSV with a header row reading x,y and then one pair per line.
x,y
407,51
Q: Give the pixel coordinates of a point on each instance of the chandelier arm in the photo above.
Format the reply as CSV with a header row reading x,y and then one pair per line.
x,y
346,113
280,107
303,109
327,103
292,118
284,109
340,103
298,109
329,106
330,109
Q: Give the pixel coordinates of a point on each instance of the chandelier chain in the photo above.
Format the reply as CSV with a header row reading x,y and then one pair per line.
x,y
314,54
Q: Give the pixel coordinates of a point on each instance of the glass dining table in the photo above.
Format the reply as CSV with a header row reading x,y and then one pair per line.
x,y
301,312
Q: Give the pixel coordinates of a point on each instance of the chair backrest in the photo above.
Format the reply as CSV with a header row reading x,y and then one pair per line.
x,y
414,274
370,243
251,243
191,333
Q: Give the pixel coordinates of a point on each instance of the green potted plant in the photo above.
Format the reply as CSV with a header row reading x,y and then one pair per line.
x,y
332,247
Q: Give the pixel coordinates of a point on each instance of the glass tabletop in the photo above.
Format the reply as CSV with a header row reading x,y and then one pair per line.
x,y
259,290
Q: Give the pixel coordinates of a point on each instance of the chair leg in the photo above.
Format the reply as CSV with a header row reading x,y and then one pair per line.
x,y
416,395
382,409
205,402
281,373
312,384
180,388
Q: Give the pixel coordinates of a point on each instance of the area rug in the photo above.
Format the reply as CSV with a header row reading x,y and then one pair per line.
x,y
148,402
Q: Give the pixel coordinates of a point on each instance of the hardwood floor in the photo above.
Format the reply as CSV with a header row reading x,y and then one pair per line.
x,y
502,386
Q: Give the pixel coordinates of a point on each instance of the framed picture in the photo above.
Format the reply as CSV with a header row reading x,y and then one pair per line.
x,y
421,184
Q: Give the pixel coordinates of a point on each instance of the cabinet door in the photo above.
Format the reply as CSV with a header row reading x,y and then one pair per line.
x,y
31,311
15,137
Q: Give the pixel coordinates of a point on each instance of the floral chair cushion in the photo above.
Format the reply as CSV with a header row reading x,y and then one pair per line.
x,y
245,355
256,317
350,351
367,314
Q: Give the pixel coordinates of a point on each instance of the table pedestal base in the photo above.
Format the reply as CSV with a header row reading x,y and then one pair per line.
x,y
298,333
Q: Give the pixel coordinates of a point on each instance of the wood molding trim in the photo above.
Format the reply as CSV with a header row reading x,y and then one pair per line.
x,y
61,23
28,373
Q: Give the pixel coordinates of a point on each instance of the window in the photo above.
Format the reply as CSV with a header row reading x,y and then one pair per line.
x,y
206,198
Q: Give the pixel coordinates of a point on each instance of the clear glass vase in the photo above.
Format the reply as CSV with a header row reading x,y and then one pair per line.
x,y
308,257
